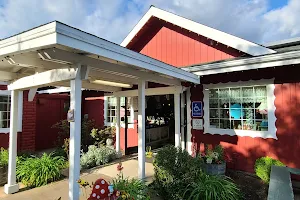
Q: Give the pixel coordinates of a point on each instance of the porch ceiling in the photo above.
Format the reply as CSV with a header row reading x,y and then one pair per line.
x,y
57,46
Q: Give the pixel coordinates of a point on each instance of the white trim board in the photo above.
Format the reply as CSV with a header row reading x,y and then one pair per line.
x,y
271,133
219,36
274,60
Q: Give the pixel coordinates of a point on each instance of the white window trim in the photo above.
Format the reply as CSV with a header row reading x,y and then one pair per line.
x,y
20,111
131,126
271,133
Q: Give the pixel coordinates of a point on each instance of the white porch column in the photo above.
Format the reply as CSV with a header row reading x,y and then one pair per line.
x,y
177,119
182,106
141,129
75,139
118,127
12,186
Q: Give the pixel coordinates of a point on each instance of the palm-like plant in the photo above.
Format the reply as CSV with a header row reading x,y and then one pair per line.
x,y
208,187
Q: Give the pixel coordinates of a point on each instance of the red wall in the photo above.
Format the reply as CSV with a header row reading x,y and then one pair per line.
x,y
50,109
179,47
241,152
93,105
26,139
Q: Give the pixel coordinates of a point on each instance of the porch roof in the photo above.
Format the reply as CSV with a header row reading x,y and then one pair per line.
x,y
58,46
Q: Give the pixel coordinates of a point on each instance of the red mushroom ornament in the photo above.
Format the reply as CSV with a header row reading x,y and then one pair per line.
x,y
101,191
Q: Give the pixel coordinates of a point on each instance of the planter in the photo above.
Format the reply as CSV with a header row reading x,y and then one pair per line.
x,y
3,175
215,169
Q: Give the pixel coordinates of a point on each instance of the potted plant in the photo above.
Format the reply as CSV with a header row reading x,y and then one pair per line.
x,y
214,163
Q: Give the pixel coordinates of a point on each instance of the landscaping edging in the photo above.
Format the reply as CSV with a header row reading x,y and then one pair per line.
x,y
3,175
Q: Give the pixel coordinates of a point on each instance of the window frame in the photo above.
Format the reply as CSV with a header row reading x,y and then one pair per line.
x,y
131,125
270,133
20,111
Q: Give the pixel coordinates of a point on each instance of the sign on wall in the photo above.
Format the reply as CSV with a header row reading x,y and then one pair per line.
x,y
196,109
198,124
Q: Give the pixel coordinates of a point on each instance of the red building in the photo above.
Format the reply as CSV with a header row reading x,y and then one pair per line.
x,y
249,93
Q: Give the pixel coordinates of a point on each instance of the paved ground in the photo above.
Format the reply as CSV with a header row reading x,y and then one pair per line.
x,y
60,189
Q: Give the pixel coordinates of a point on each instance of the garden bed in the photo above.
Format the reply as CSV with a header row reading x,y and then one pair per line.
x,y
3,175
252,187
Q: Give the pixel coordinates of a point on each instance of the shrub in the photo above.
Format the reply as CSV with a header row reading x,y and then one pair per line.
x,y
35,172
97,156
212,188
131,188
100,136
174,169
64,132
263,167
3,157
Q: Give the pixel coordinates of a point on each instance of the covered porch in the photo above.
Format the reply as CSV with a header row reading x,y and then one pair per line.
x,y
56,54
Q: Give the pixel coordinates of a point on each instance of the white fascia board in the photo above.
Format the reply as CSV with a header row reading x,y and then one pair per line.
x,y
276,60
151,91
50,77
33,39
219,36
74,38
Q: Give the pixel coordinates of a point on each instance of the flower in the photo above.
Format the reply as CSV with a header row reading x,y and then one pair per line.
x,y
119,167
82,183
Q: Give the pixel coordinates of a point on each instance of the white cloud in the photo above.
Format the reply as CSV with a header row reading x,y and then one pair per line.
x,y
113,19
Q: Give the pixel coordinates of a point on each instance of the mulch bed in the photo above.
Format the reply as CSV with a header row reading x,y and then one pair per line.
x,y
251,186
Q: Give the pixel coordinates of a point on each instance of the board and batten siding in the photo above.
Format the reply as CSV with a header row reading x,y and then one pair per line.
x,y
179,47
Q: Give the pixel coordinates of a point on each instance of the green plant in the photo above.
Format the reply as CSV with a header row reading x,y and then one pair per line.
x,y
97,156
35,172
174,169
130,188
100,136
64,132
3,157
214,155
212,188
263,167
149,152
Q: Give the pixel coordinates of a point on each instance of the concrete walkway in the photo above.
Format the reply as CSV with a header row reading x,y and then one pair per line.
x,y
60,189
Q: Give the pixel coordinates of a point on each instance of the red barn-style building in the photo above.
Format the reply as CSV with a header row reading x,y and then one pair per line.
x,y
249,95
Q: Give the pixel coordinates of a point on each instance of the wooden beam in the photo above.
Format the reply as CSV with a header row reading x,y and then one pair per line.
x,y
92,86
50,77
7,76
151,91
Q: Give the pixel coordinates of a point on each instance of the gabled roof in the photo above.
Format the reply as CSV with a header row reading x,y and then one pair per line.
x,y
219,36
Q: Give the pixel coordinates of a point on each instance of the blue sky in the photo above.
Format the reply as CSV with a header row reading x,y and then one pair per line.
x,y
261,21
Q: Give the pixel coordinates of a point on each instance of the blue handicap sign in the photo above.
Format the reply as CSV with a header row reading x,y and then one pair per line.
x,y
197,109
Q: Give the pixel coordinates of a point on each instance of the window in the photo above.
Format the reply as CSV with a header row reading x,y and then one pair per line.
x,y
111,112
5,102
246,110
4,110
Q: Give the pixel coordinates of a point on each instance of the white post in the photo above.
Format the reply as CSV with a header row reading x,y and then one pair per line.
x,y
141,130
118,128
12,186
182,106
75,139
177,119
